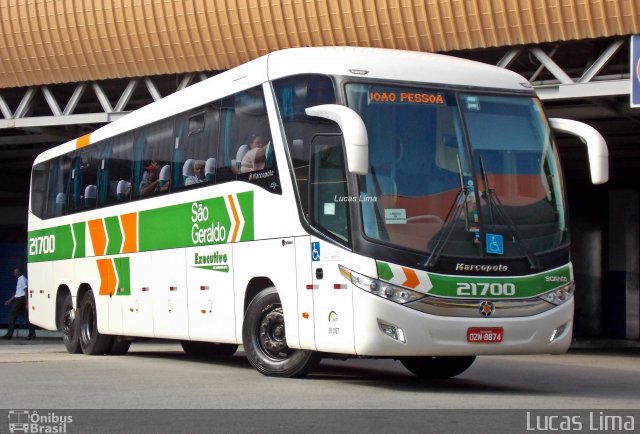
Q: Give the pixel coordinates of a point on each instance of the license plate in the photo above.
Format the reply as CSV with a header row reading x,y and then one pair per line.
x,y
484,335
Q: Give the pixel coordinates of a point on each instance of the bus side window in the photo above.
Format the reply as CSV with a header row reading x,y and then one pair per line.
x,y
294,95
85,178
59,186
196,143
117,164
245,145
153,150
39,184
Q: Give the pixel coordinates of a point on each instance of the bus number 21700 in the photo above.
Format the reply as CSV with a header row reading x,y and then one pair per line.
x,y
42,245
484,289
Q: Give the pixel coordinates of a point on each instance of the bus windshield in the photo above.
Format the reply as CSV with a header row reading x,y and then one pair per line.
x,y
459,174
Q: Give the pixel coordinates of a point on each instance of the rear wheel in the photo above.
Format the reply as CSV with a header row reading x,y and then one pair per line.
x,y
92,342
68,325
194,348
437,367
265,344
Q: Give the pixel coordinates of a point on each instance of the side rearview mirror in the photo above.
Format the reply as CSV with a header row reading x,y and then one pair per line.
x,y
354,133
596,146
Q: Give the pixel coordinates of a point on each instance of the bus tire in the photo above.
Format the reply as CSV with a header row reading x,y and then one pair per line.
x,y
194,348
68,325
92,342
437,367
264,341
119,346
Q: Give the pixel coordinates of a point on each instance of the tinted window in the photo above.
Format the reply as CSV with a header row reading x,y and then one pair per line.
x,y
196,147
153,154
246,150
39,184
84,178
294,95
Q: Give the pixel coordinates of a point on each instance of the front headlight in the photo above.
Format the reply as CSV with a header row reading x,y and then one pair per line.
x,y
380,288
560,295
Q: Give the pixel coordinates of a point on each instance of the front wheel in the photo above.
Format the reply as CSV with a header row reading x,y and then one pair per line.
x,y
92,342
437,367
265,344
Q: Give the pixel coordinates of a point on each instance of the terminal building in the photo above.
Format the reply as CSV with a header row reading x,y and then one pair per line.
x,y
69,67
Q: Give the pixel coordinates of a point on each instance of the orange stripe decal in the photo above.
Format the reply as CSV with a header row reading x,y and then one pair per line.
x,y
412,278
235,217
98,237
130,229
82,141
107,276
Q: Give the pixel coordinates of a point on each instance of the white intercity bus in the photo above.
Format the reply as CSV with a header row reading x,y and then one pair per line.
x,y
315,202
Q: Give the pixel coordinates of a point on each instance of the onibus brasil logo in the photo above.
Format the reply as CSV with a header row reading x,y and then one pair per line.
x,y
27,421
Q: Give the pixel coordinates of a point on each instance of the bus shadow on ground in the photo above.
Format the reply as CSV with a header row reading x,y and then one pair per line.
x,y
370,373
405,381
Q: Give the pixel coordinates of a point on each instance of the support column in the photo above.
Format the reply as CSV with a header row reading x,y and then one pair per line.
x,y
621,297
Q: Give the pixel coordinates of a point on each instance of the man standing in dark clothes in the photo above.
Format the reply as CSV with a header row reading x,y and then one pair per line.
x,y
19,306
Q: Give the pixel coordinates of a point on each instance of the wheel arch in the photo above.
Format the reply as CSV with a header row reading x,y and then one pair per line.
x,y
61,292
254,287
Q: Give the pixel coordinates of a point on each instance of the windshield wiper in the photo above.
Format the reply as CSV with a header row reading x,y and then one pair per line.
x,y
458,205
494,204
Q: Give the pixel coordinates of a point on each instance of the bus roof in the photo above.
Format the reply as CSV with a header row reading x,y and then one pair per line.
x,y
391,64
378,63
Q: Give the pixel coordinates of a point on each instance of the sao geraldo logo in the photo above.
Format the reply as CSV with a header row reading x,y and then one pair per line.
x,y
30,421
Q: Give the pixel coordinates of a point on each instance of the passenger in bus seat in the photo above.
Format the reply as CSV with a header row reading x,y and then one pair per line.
x,y
150,183
198,173
254,159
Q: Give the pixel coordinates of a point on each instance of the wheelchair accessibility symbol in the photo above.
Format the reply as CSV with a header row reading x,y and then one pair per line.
x,y
315,251
494,244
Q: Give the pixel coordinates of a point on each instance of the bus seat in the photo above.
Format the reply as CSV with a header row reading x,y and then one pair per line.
x,y
123,189
113,188
61,199
187,169
210,169
90,195
242,150
165,174
297,149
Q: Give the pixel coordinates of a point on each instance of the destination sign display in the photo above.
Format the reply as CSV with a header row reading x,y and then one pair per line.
x,y
405,96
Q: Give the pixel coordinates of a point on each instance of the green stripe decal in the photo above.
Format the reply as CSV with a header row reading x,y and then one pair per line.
x,y
206,222
499,287
221,268
476,287
384,271
114,235
246,208
79,231
200,223
124,276
50,244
